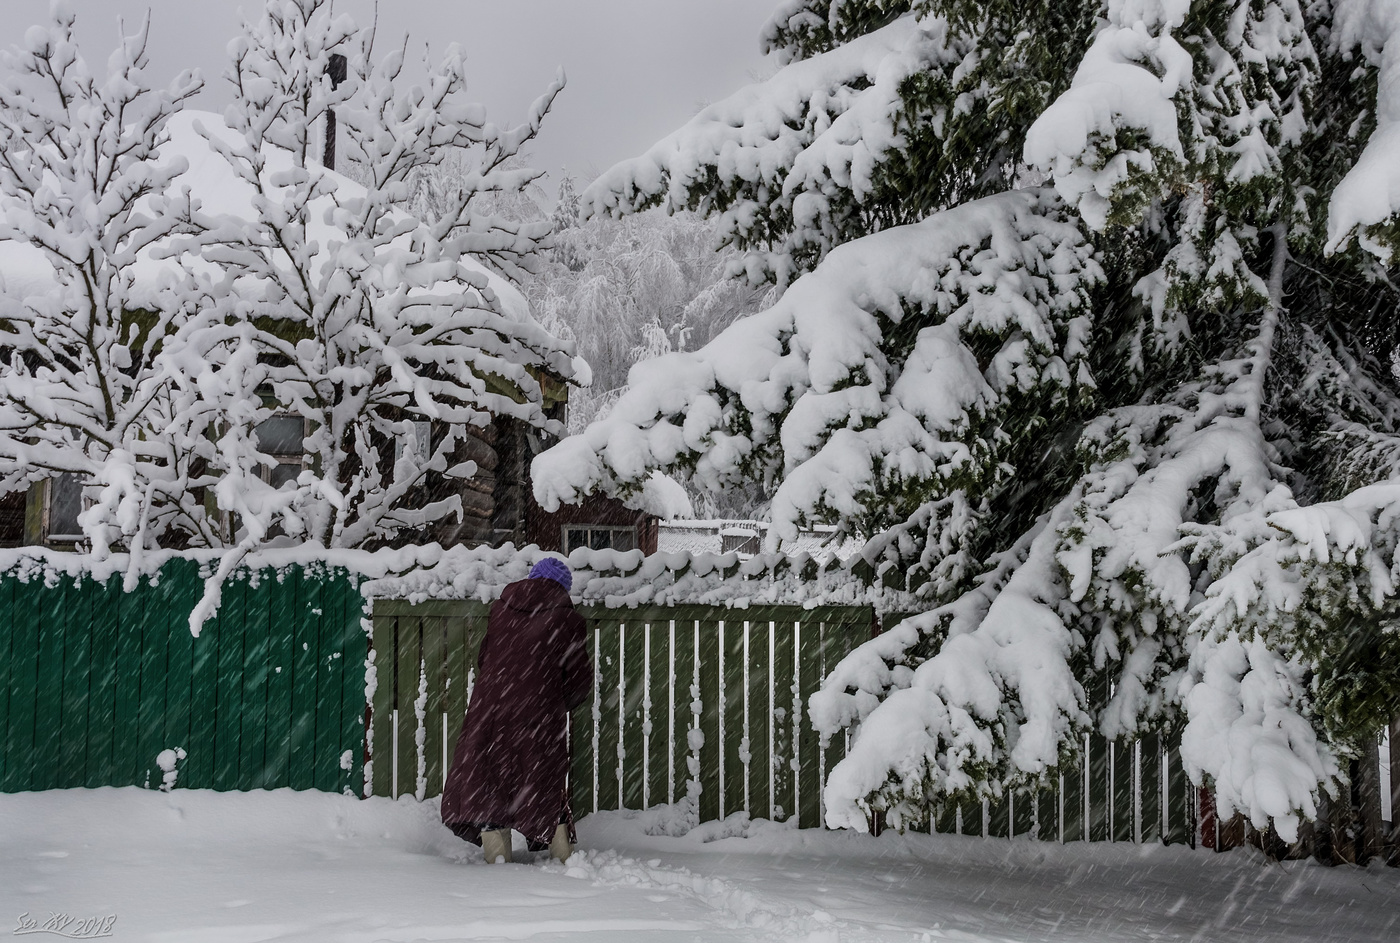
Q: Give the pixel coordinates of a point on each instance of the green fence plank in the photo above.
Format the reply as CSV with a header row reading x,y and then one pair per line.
x,y
1023,812
406,679
1099,797
809,782
1047,813
228,684
24,686
1072,803
633,734
434,665
101,714
281,628
303,613
164,673
8,617
455,668
709,663
1123,791
945,818
354,650
609,706
198,768
180,587
381,728
732,720
257,669
582,737
126,697
838,638
684,721
1180,828
760,719
76,681
1150,775
155,616
999,818
972,817
382,715
330,743
48,709
658,712
784,744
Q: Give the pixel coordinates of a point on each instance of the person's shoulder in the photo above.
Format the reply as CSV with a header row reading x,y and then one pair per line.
x,y
536,595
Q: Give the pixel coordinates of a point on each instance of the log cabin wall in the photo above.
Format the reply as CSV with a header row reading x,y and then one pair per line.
x,y
546,528
512,484
477,493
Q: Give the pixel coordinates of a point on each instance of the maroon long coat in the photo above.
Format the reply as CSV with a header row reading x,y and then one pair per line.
x,y
512,760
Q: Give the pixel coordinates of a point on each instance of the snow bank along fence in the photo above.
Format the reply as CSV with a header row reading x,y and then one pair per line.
x,y
686,700
96,684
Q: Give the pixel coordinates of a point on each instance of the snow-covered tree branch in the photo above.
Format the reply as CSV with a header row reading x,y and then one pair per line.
x,y
364,320
95,333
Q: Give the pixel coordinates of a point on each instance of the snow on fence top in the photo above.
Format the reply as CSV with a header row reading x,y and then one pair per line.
x,y
612,578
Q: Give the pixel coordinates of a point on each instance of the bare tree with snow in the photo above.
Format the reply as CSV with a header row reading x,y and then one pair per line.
x,y
97,333
379,336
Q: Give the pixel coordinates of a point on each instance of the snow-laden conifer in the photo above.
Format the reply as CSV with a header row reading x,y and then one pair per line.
x,y
1094,349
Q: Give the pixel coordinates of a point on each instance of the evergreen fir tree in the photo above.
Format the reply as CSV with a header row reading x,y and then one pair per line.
x,y
1088,331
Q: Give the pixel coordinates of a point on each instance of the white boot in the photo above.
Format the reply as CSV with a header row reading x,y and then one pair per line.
x,y
496,846
559,847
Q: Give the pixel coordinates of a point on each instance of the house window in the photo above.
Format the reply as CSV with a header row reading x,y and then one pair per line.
x,y
283,439
65,504
599,537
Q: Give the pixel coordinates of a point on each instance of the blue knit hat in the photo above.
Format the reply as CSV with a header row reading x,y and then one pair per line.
x,y
552,568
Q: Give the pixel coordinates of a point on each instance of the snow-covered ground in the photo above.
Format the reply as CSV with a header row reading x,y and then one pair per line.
x,y
203,867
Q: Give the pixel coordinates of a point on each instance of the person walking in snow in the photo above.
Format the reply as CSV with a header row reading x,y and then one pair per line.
x,y
510,767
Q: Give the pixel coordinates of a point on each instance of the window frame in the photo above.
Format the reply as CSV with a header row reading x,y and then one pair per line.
x,y
590,529
280,459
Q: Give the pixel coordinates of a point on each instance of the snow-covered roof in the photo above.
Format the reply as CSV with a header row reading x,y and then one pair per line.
x,y
218,190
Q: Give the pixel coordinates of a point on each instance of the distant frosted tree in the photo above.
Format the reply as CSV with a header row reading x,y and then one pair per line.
x,y
621,286
1089,334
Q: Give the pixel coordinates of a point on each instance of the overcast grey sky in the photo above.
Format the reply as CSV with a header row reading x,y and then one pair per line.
x,y
637,69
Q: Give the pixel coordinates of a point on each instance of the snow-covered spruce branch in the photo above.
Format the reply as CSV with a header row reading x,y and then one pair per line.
x,y
858,393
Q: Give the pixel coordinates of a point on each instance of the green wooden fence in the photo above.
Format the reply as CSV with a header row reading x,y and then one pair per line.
x,y
705,696
95,683
683,697
1132,791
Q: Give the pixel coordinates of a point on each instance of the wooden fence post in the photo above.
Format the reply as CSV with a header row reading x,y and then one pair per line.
x,y
1206,821
1370,837
877,819
1393,840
